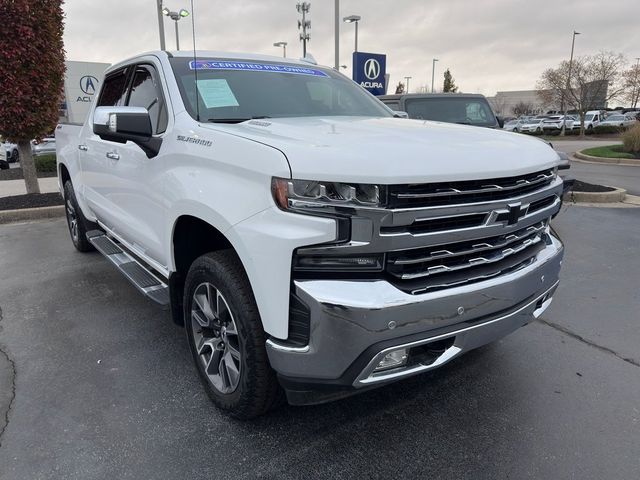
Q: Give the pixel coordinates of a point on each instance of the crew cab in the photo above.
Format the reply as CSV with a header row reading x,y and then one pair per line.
x,y
308,241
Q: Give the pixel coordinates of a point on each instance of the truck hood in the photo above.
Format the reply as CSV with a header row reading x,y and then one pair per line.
x,y
394,150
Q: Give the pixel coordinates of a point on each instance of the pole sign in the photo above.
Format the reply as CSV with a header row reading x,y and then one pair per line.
x,y
81,85
369,71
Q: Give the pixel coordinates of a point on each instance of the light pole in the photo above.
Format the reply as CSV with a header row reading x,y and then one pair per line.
x,y
336,34
353,19
161,25
284,47
564,103
407,79
635,98
175,16
433,73
303,25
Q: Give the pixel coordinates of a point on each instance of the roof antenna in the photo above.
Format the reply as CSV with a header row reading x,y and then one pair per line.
x,y
195,61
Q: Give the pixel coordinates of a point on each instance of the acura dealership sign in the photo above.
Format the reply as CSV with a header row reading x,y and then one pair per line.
x,y
81,85
369,71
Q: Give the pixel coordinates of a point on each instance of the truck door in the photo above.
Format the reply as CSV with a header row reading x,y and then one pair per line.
x,y
96,166
130,190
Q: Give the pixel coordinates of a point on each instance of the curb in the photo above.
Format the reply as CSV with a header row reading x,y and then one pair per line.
x,y
26,214
617,195
606,160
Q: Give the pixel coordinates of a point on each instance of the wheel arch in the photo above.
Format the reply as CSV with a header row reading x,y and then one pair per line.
x,y
191,237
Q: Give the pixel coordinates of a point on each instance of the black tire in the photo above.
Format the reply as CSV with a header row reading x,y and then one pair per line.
x,y
77,231
257,389
15,156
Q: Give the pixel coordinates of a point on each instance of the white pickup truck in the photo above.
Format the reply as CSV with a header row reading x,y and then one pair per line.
x,y
308,241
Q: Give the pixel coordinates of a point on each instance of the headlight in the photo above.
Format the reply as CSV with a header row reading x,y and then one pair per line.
x,y
312,194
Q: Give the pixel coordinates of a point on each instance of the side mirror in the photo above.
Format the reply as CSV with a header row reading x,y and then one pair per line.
x,y
123,124
500,121
400,114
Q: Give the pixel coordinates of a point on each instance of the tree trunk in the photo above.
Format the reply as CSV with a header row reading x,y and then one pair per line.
x,y
28,167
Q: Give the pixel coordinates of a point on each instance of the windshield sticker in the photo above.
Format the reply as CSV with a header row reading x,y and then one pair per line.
x,y
216,93
255,67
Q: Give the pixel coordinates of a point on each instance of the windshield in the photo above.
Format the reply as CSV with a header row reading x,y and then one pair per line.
x,y
233,91
452,109
588,117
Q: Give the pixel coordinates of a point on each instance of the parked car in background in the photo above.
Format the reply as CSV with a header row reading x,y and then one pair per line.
x,y
622,121
533,125
44,146
11,151
3,160
592,119
462,108
515,125
554,123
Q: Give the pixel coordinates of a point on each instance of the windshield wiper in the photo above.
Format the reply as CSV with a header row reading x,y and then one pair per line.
x,y
235,120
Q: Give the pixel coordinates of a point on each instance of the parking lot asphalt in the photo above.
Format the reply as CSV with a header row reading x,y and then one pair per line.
x,y
105,387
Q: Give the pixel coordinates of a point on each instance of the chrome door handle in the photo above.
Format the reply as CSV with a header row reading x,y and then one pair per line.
x,y
84,148
113,156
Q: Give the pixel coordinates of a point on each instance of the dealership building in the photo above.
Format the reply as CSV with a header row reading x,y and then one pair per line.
x,y
503,103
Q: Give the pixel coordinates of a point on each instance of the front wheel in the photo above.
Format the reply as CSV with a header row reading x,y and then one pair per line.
x,y
226,338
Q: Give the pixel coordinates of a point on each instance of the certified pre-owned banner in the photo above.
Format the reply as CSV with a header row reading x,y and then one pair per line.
x,y
369,71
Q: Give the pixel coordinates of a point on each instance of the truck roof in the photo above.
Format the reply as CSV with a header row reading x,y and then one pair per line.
x,y
214,54
430,95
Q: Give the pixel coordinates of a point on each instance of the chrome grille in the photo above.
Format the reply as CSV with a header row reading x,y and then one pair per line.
x,y
441,235
428,262
443,193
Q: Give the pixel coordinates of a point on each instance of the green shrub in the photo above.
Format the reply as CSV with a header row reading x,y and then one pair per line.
x,y
606,129
631,140
45,163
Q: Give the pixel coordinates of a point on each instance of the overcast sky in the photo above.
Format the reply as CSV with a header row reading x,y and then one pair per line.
x,y
489,45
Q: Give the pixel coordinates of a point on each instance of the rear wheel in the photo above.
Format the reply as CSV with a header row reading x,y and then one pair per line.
x,y
15,156
226,338
75,220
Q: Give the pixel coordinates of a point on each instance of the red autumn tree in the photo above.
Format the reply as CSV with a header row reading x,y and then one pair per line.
x,y
32,75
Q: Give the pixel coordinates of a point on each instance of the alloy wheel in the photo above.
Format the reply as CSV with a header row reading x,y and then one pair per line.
x,y
72,220
215,336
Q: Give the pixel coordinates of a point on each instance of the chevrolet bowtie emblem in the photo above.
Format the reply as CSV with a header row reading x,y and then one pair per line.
x,y
515,212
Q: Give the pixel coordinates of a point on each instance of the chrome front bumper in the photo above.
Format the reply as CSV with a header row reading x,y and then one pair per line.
x,y
354,323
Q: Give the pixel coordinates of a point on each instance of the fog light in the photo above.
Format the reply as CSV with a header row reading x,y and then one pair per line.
x,y
393,359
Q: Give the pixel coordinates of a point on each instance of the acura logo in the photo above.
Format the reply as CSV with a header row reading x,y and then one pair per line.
x,y
88,84
372,69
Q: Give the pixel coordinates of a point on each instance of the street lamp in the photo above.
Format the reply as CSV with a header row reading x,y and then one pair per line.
x,y
160,24
175,16
407,79
433,73
564,104
284,47
353,19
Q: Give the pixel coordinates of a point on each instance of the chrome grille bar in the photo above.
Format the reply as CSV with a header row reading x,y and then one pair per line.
x,y
486,244
540,179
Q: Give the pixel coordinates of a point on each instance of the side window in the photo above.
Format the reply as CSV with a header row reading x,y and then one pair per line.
x,y
113,91
146,93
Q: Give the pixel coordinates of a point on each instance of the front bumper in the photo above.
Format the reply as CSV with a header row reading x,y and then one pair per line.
x,y
354,323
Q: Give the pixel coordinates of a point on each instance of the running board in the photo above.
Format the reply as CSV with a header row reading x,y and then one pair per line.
x,y
145,281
